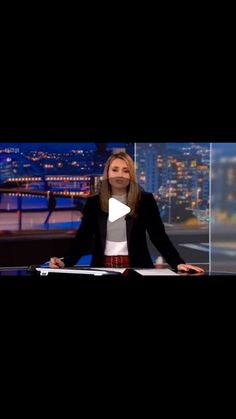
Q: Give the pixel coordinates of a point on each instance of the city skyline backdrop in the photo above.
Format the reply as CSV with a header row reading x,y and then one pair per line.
x,y
176,173
181,177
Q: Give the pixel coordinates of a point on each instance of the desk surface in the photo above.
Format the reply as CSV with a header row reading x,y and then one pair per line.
x,y
22,278
77,270
25,271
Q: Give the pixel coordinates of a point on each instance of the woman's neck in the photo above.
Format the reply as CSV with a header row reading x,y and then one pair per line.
x,y
119,192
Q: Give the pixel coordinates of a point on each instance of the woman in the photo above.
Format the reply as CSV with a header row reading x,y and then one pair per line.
x,y
122,243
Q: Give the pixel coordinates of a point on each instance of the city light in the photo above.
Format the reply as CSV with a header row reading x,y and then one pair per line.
x,y
185,168
178,176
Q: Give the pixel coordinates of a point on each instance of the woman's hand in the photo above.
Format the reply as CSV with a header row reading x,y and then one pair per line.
x,y
184,267
56,263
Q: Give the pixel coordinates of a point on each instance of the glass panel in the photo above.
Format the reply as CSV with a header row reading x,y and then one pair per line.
x,y
223,207
29,171
178,176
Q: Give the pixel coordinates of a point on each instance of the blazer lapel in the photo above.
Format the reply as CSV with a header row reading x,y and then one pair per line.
x,y
129,225
102,221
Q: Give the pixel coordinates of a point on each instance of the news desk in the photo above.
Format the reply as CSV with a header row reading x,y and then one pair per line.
x,y
28,277
84,271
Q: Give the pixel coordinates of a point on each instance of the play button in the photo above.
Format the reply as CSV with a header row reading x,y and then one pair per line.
x,y
117,210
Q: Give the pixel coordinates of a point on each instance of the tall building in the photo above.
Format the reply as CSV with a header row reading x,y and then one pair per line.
x,y
5,167
177,175
149,165
224,184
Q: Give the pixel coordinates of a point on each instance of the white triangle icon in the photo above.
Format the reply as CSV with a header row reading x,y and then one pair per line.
x,y
117,210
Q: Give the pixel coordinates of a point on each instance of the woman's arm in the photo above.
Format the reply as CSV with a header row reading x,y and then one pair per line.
x,y
157,234
160,239
82,242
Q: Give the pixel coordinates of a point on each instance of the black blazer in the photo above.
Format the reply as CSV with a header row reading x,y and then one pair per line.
x,y
91,235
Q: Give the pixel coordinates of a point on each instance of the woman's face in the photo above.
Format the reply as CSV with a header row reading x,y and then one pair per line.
x,y
118,176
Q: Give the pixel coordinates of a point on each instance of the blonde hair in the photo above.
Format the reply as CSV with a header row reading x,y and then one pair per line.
x,y
133,190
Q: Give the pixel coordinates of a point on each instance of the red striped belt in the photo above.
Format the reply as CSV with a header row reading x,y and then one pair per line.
x,y
120,261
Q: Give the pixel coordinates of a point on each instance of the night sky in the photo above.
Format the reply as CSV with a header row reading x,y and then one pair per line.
x,y
225,148
66,146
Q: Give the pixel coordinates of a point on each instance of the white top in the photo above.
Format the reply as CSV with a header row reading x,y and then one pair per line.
x,y
116,239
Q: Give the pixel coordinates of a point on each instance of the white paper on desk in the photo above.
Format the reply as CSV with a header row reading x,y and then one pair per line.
x,y
144,272
103,271
73,270
155,272
119,270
